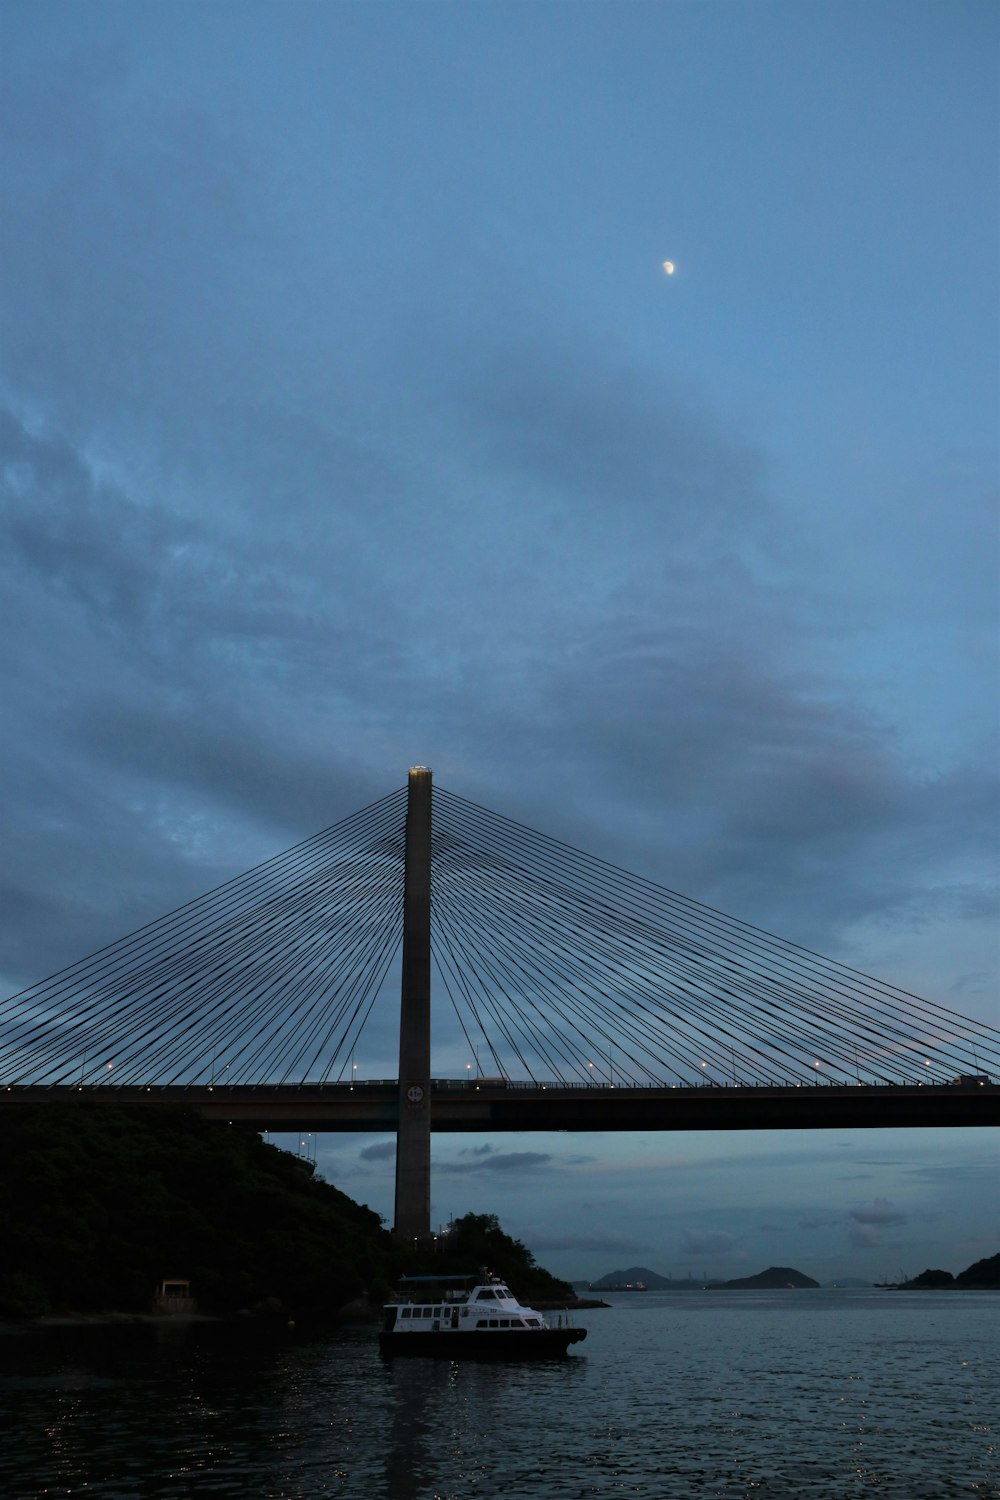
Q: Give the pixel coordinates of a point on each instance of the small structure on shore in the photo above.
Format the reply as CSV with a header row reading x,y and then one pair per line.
x,y
173,1296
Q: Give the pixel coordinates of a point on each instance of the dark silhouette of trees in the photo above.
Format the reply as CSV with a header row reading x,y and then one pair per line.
x,y
98,1204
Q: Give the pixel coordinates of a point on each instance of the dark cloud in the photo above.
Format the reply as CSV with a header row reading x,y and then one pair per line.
x,y
597,1240
578,422
488,1160
707,1242
383,1151
864,1237
984,1169
880,1211
180,650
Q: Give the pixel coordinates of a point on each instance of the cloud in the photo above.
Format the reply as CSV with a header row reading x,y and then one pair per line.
x,y
867,1221
383,1151
957,1171
577,421
879,1212
488,1160
707,1242
608,1242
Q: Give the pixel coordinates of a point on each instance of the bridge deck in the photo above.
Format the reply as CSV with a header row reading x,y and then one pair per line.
x,y
461,1106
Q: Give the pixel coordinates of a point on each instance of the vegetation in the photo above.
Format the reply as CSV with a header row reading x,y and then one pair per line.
x,y
477,1241
933,1278
983,1273
100,1204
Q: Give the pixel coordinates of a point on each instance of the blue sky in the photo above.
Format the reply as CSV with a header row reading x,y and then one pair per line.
x,y
348,421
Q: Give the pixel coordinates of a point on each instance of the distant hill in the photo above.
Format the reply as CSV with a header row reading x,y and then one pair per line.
x,y
983,1273
931,1278
774,1276
99,1203
650,1279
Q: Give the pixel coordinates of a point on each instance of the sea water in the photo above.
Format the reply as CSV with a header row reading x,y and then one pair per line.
x,y
813,1394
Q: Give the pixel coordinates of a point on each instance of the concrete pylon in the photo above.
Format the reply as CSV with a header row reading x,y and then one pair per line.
x,y
413,1136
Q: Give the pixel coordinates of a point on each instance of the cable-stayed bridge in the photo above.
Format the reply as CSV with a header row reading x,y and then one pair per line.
x,y
569,994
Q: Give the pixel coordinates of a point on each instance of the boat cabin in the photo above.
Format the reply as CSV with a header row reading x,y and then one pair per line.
x,y
467,1302
468,1316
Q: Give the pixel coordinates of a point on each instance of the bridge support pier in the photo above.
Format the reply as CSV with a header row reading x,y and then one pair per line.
x,y
413,1136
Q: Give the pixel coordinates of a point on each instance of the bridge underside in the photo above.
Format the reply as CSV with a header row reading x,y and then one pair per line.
x,y
460,1107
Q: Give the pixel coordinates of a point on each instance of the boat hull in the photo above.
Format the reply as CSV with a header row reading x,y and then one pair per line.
x,y
503,1343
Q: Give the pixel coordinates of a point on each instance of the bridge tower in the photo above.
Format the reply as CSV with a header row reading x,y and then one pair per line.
x,y
413,1137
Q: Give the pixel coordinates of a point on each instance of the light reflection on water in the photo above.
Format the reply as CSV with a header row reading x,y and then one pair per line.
x,y
721,1395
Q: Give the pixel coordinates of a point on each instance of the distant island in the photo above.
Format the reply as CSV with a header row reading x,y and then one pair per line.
x,y
636,1278
642,1279
982,1275
775,1276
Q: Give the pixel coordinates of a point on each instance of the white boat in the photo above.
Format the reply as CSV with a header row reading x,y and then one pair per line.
x,y
470,1317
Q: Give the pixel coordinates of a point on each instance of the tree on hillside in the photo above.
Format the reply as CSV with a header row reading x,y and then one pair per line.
x,y
475,1242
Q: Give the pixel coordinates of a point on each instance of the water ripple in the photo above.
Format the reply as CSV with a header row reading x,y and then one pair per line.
x,y
820,1396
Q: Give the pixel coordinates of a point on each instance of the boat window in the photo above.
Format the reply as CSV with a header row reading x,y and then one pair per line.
x,y
494,1322
482,1322
534,1322
406,1312
487,1296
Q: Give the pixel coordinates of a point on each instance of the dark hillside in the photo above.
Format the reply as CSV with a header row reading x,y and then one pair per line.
x,y
99,1204
983,1273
